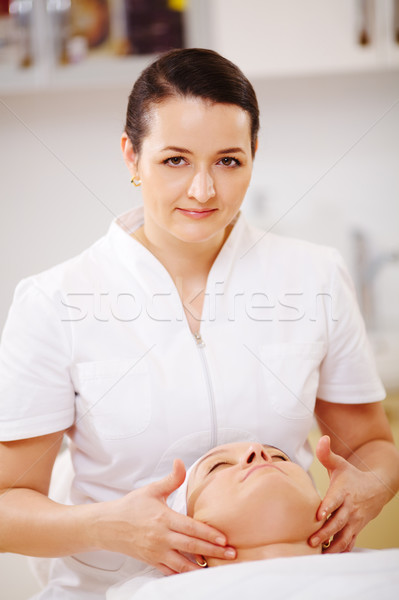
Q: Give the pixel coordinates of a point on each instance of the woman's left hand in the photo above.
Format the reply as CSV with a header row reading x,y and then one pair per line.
x,y
351,500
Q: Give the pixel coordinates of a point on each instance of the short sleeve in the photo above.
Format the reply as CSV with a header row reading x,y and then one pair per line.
x,y
36,391
348,372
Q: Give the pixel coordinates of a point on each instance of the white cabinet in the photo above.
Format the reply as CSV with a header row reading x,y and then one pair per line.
x,y
264,37
295,37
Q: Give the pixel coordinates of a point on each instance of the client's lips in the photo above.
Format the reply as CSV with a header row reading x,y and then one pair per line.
x,y
256,467
197,213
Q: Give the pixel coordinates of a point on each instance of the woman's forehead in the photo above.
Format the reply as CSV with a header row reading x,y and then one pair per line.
x,y
180,116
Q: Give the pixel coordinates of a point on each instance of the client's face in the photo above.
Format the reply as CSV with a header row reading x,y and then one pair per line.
x,y
254,494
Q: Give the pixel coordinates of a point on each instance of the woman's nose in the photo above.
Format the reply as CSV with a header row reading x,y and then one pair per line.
x,y
253,454
202,188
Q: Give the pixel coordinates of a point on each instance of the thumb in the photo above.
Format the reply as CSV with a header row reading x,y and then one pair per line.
x,y
326,456
164,487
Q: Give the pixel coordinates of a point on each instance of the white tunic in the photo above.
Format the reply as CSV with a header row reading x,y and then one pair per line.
x,y
100,345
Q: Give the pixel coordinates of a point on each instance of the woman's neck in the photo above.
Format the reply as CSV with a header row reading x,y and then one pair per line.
x,y
268,551
188,264
182,259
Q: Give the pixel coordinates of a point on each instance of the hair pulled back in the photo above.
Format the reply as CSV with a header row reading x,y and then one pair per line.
x,y
190,72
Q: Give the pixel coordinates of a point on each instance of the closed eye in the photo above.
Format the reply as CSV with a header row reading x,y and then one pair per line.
x,y
280,457
216,465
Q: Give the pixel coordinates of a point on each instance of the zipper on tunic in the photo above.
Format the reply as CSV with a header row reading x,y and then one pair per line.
x,y
201,345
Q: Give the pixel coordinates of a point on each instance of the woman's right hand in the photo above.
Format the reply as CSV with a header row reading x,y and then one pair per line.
x,y
142,525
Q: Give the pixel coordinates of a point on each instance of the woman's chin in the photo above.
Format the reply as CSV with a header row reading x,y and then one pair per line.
x,y
201,234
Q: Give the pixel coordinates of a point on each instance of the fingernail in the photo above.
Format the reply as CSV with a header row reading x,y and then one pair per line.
x,y
230,553
315,541
221,541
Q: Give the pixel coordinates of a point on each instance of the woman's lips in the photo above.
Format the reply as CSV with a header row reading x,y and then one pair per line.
x,y
197,213
256,467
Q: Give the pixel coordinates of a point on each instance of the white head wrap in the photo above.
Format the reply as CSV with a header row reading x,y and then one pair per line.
x,y
178,500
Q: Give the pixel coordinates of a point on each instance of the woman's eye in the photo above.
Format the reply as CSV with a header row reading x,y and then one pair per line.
x,y
280,457
229,161
216,465
175,161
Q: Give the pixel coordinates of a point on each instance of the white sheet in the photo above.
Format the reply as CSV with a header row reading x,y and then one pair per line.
x,y
370,575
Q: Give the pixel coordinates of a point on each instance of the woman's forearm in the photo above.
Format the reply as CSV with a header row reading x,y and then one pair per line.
x,y
34,525
381,458
139,524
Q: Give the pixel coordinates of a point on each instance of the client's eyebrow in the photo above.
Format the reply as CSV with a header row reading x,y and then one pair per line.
x,y
219,451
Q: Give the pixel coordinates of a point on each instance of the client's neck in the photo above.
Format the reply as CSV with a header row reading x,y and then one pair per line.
x,y
278,550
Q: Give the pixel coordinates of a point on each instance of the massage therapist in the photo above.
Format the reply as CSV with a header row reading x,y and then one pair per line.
x,y
211,355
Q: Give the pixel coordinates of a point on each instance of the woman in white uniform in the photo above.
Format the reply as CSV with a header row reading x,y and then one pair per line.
x,y
181,329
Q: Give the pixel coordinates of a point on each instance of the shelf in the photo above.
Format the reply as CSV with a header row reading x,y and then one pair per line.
x,y
97,71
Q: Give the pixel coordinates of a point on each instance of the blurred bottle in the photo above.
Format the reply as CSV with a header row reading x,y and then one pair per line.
x,y
21,12
7,38
396,21
154,26
91,20
118,27
59,22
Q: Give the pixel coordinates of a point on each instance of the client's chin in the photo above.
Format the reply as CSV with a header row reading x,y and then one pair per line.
x,y
275,550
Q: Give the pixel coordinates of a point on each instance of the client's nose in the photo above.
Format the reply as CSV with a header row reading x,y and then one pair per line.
x,y
253,454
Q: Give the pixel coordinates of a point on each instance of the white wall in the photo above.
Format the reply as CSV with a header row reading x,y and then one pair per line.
x,y
327,162
62,177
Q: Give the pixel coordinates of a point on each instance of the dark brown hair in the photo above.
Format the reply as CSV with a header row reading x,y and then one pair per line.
x,y
191,72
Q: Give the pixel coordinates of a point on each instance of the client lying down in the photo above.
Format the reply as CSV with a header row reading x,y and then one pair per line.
x,y
266,505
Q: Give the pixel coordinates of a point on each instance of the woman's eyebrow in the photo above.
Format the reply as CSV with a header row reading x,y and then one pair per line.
x,y
180,150
231,151
176,149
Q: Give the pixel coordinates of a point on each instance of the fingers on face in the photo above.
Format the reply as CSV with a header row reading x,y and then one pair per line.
x,y
333,526
197,546
330,505
196,530
340,530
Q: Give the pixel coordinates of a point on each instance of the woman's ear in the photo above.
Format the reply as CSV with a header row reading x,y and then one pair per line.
x,y
129,155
